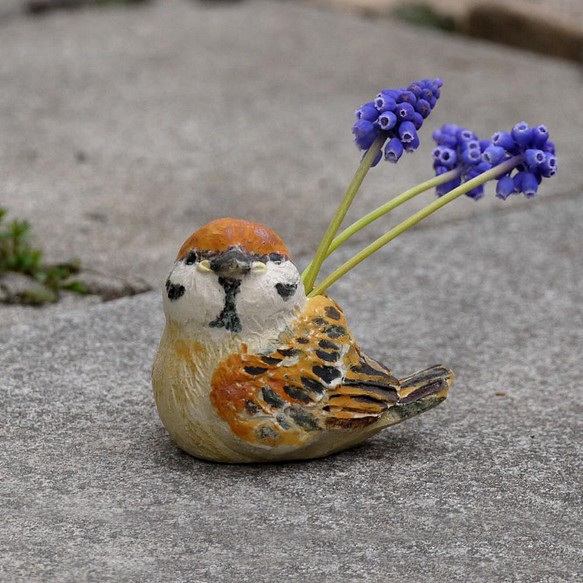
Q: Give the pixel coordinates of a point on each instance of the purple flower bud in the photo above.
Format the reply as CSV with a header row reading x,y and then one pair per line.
x,y
377,159
525,182
534,158
384,102
427,94
448,186
367,112
413,144
423,108
416,89
465,135
522,134
540,136
407,132
450,128
393,150
476,193
494,155
549,167
365,133
504,187
471,156
528,184
445,139
444,156
504,140
407,97
405,111
549,147
387,120
477,170
417,120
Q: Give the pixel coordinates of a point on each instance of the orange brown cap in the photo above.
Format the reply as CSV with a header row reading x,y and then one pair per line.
x,y
222,234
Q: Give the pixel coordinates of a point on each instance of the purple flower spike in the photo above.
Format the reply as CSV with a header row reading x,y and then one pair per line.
x,y
459,148
396,114
535,158
393,150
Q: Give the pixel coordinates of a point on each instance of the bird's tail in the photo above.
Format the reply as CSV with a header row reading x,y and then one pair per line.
x,y
419,392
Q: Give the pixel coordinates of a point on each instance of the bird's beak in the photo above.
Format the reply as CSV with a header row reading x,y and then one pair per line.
x,y
232,263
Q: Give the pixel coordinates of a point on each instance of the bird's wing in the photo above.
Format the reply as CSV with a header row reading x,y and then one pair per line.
x,y
315,379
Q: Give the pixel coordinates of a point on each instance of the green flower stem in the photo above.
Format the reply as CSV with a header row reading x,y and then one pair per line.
x,y
311,273
413,220
388,207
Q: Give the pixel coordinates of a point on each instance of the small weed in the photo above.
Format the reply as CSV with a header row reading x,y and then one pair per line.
x,y
424,15
17,255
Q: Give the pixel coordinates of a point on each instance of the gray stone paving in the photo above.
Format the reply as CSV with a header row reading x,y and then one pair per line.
x,y
183,111
484,488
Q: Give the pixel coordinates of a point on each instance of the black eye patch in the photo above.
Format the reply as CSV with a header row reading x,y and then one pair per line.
x,y
191,258
286,290
174,290
276,258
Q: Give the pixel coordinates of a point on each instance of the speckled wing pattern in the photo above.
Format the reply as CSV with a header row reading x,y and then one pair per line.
x,y
316,379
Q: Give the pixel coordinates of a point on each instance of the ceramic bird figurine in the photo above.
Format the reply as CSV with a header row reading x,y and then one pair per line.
x,y
249,369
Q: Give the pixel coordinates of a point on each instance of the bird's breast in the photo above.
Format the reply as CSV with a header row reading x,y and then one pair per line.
x,y
181,378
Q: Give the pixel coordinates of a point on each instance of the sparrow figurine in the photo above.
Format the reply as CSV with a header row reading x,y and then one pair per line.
x,y
249,369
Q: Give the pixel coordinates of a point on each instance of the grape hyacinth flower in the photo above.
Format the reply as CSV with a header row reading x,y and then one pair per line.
x,y
537,159
518,160
395,116
459,149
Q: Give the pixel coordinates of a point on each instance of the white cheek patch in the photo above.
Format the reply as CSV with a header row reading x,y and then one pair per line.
x,y
202,299
266,301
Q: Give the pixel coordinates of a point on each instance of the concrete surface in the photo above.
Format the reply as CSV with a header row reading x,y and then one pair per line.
x,y
485,488
124,129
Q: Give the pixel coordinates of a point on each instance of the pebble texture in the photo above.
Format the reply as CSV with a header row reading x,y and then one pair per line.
x,y
487,487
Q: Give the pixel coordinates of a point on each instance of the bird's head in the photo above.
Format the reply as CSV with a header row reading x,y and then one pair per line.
x,y
233,277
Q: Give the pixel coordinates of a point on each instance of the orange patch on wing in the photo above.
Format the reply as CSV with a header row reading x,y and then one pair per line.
x,y
221,234
235,397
